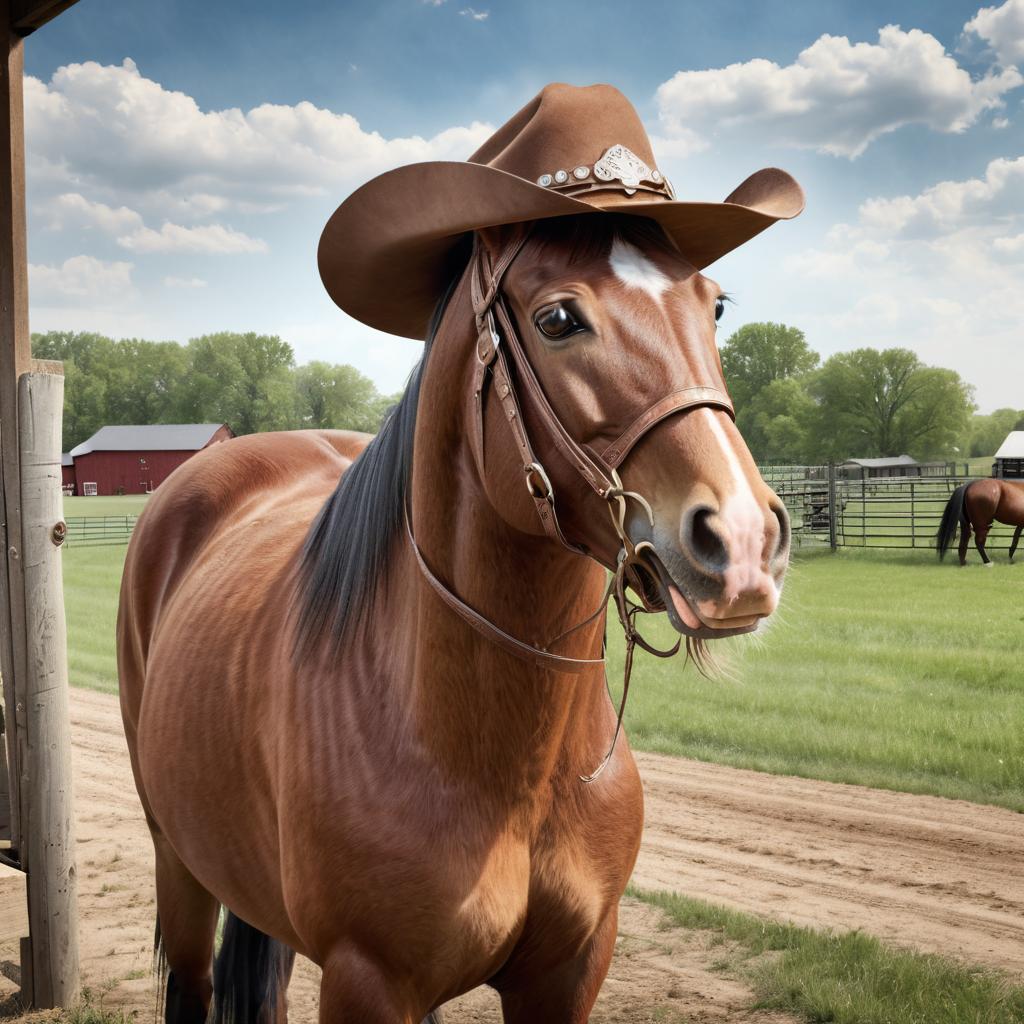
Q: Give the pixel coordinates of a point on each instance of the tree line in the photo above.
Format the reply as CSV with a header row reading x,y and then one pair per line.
x,y
868,403
790,406
249,381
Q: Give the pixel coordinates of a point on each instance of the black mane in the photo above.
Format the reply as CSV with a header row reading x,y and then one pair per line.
x,y
346,549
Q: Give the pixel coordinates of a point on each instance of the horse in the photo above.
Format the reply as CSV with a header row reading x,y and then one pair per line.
x,y
362,681
977,504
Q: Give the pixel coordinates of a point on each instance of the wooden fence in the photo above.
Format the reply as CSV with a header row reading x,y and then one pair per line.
x,y
884,512
93,530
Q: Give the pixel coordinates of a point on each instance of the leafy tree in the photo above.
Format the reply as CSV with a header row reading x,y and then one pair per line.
x,y
90,362
779,422
987,433
332,395
759,353
765,367
244,380
883,403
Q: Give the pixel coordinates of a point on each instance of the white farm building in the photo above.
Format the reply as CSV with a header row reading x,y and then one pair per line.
x,y
1009,462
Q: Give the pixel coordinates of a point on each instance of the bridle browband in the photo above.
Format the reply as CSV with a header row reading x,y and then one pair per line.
x,y
498,345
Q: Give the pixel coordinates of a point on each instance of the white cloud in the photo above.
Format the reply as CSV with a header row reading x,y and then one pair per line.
x,y
205,238
938,272
1010,246
108,131
475,15
73,210
950,205
184,282
1003,29
837,97
80,277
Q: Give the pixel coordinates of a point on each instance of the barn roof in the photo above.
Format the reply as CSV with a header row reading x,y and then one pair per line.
x,y
894,460
66,460
155,437
1013,446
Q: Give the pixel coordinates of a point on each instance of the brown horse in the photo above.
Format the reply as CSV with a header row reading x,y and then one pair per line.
x,y
977,505
325,741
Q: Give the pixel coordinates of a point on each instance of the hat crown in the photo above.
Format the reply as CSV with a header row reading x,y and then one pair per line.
x,y
565,127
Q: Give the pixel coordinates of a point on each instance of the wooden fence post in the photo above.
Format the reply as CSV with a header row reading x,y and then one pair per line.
x,y
44,729
832,543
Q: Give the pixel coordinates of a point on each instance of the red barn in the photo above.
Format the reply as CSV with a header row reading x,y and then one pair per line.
x,y
67,473
137,459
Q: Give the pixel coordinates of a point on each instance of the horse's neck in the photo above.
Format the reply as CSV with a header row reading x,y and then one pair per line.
x,y
480,706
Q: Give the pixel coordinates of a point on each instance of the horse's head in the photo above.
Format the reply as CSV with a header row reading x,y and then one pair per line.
x,y
616,325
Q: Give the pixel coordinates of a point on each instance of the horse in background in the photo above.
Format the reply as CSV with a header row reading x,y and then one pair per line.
x,y
975,506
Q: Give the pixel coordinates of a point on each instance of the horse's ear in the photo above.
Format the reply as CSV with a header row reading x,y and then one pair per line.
x,y
496,240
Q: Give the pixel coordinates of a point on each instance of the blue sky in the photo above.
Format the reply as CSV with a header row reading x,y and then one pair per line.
x,y
183,156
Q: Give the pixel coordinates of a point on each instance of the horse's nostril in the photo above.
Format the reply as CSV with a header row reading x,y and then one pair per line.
x,y
705,544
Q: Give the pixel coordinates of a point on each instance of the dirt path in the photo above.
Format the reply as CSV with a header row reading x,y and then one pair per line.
x,y
933,874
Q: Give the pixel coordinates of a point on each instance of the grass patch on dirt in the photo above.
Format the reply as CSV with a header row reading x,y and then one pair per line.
x,y
881,669
848,978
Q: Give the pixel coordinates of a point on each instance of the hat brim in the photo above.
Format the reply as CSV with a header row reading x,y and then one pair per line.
x,y
387,253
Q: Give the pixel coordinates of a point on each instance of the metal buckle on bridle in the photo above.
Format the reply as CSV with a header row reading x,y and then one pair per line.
x,y
538,483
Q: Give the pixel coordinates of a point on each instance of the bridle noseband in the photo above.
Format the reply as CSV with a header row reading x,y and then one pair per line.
x,y
498,345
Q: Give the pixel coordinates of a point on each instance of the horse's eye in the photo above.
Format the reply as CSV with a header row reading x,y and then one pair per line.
x,y
557,322
719,307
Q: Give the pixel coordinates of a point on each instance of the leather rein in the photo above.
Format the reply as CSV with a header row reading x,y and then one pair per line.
x,y
498,346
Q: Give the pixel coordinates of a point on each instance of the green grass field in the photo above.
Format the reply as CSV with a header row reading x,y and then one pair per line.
x,y
123,505
882,669
92,579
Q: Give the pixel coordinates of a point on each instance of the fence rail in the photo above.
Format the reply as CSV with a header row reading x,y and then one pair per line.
x,y
885,512
93,530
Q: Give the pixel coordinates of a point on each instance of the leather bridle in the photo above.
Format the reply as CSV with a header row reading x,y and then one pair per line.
x,y
499,349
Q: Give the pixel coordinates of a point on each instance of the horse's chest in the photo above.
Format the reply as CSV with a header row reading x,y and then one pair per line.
x,y
549,900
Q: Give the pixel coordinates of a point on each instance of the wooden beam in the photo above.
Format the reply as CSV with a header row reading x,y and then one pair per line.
x,y
15,359
28,15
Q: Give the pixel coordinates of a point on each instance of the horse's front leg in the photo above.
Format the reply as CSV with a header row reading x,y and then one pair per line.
x,y
354,989
567,993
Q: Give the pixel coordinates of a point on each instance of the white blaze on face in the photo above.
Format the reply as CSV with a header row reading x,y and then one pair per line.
x,y
633,268
743,520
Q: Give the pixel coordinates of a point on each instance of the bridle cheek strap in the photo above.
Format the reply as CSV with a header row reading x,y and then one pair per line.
x,y
495,350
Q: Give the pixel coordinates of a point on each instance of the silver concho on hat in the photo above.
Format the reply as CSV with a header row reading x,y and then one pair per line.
x,y
619,164
624,165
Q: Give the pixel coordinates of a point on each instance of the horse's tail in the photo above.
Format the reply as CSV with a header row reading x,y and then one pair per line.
x,y
250,975
953,515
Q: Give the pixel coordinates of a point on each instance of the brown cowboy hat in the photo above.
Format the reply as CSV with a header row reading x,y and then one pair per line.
x,y
387,253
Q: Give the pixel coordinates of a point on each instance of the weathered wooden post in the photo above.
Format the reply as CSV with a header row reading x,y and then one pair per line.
x,y
44,728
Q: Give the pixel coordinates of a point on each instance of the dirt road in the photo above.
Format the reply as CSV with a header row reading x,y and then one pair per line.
x,y
931,874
